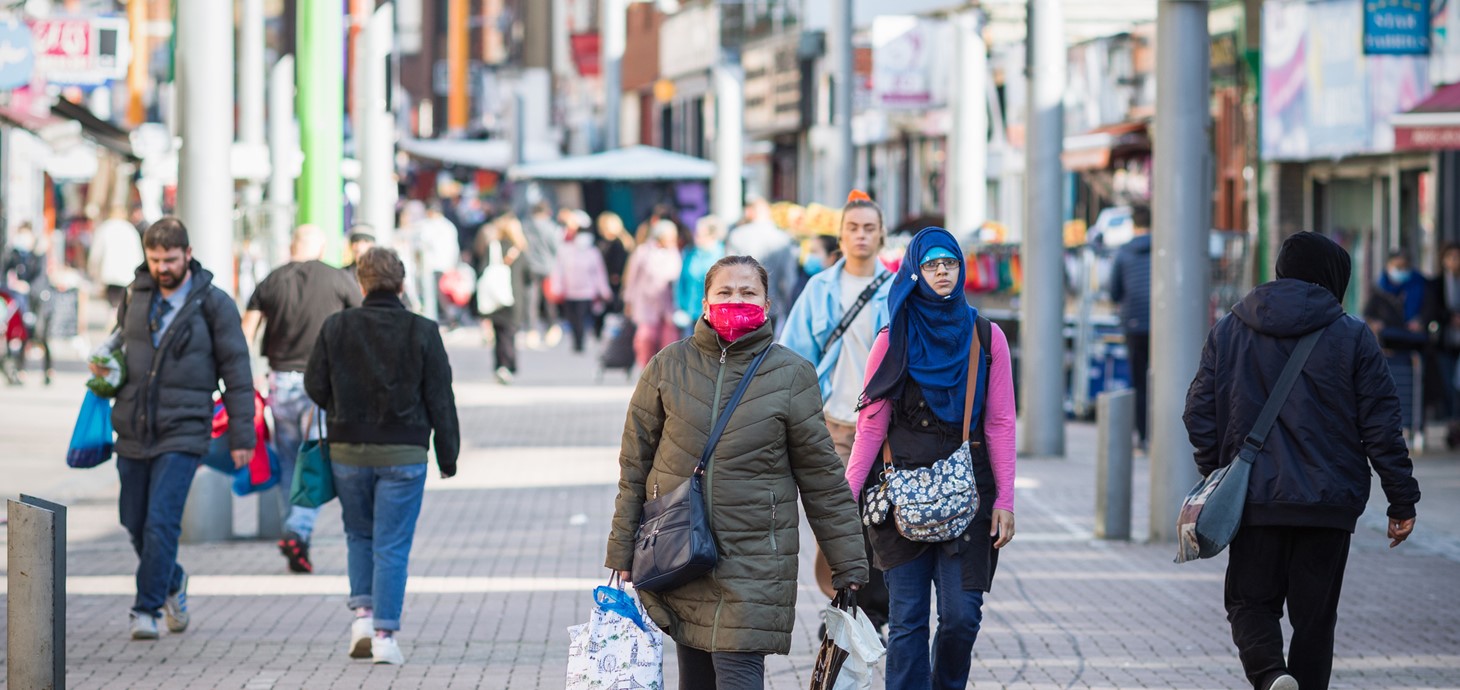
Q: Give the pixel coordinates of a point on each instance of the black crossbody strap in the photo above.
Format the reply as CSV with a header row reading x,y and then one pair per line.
x,y
851,315
729,410
1279,395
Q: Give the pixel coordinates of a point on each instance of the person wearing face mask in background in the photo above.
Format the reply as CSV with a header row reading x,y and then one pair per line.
x,y
1395,309
649,291
689,293
774,448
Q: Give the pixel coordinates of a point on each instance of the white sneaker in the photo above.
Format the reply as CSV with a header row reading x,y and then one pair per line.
x,y
554,336
385,650
144,627
1284,682
176,608
360,633
504,375
534,341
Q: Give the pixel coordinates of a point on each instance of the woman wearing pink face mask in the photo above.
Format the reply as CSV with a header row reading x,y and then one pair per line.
x,y
774,448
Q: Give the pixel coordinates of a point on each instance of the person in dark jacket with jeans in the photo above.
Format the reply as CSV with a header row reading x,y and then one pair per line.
x,y
1311,481
381,373
1130,286
181,335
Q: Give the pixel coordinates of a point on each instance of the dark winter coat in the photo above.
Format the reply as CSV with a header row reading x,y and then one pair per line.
x,y
381,374
1342,416
774,447
166,403
1130,284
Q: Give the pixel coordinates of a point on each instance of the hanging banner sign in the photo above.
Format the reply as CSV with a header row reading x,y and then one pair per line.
x,y
17,57
81,51
1396,27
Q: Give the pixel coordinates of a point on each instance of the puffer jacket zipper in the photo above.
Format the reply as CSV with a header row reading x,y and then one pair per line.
x,y
709,493
150,389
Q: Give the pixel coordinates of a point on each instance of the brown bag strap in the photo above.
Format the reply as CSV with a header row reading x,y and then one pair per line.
x,y
975,353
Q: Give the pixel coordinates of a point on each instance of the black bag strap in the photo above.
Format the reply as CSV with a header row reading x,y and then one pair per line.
x,y
1258,436
851,315
729,410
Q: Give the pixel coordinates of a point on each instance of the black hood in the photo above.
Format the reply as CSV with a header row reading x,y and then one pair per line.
x,y
1313,258
1288,308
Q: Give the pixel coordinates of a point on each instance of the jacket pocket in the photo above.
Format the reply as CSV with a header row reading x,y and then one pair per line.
x,y
773,523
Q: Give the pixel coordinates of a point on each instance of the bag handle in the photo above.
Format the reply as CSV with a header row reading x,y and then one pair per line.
x,y
1258,436
315,422
975,351
851,314
729,409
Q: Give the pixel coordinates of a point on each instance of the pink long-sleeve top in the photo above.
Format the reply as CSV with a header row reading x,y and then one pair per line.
x,y
999,419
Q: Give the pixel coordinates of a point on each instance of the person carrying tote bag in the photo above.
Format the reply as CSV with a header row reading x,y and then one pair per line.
x,y
939,386
774,447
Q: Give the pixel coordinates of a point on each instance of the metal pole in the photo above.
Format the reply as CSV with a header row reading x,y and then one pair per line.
x,y
1182,201
615,36
283,152
137,70
968,142
1042,309
251,107
205,124
458,40
841,157
321,116
729,148
376,144
1115,414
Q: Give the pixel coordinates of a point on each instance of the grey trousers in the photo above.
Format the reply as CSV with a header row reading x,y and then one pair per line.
x,y
701,670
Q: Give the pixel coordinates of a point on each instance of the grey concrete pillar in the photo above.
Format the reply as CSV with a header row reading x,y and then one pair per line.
x,y
1115,414
209,512
36,595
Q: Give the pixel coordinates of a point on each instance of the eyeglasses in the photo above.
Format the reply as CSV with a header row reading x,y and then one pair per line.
x,y
949,265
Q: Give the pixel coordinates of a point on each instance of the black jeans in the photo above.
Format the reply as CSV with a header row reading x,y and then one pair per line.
x,y
1138,347
504,328
579,313
701,670
1302,567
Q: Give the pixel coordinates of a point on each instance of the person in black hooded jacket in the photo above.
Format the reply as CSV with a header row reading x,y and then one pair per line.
x,y
1311,481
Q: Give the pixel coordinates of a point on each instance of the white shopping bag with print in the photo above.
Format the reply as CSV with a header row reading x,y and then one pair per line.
x,y
851,649
619,646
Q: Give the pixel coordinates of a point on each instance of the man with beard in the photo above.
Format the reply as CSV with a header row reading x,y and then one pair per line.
x,y
181,335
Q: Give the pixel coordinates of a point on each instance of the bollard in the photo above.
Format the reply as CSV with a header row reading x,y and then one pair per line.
x,y
36,595
209,512
1115,416
272,509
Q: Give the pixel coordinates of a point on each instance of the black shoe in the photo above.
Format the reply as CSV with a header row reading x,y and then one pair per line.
x,y
296,550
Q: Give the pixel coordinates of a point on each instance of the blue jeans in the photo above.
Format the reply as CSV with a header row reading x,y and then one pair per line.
x,y
380,506
294,423
152,499
960,612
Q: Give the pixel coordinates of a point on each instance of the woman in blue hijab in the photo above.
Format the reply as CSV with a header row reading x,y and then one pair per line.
x,y
914,405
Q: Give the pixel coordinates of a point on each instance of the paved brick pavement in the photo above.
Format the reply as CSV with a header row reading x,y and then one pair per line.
x,y
507,552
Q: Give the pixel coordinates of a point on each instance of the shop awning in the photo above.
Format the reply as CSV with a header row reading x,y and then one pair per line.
x,y
1094,149
67,122
482,154
1433,125
632,164
96,129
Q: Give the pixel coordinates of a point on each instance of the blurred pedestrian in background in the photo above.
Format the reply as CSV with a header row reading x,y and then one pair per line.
x,y
615,243
537,314
689,298
500,245
292,303
1444,301
440,253
382,375
115,254
649,291
581,276
1130,286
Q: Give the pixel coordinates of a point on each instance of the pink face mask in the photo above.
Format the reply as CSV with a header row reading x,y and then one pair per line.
x,y
734,319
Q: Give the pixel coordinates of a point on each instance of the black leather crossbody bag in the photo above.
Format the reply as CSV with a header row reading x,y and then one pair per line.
x,y
675,545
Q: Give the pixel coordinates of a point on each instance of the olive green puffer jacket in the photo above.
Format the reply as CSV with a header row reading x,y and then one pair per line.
x,y
774,447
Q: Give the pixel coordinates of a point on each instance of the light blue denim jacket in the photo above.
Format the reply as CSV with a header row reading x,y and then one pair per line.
x,y
817,313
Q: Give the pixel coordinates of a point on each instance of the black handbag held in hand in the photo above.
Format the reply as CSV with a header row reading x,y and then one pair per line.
x,y
675,545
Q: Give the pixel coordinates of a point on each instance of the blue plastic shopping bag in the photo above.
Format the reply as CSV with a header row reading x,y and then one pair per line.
x,y
91,441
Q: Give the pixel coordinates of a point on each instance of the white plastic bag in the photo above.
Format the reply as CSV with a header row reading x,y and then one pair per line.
x,y
619,646
849,630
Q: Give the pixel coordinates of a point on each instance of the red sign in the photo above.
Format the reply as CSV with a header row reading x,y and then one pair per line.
x,y
1426,138
62,45
585,53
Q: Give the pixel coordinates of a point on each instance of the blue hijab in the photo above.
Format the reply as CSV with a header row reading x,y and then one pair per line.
x,y
930,335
